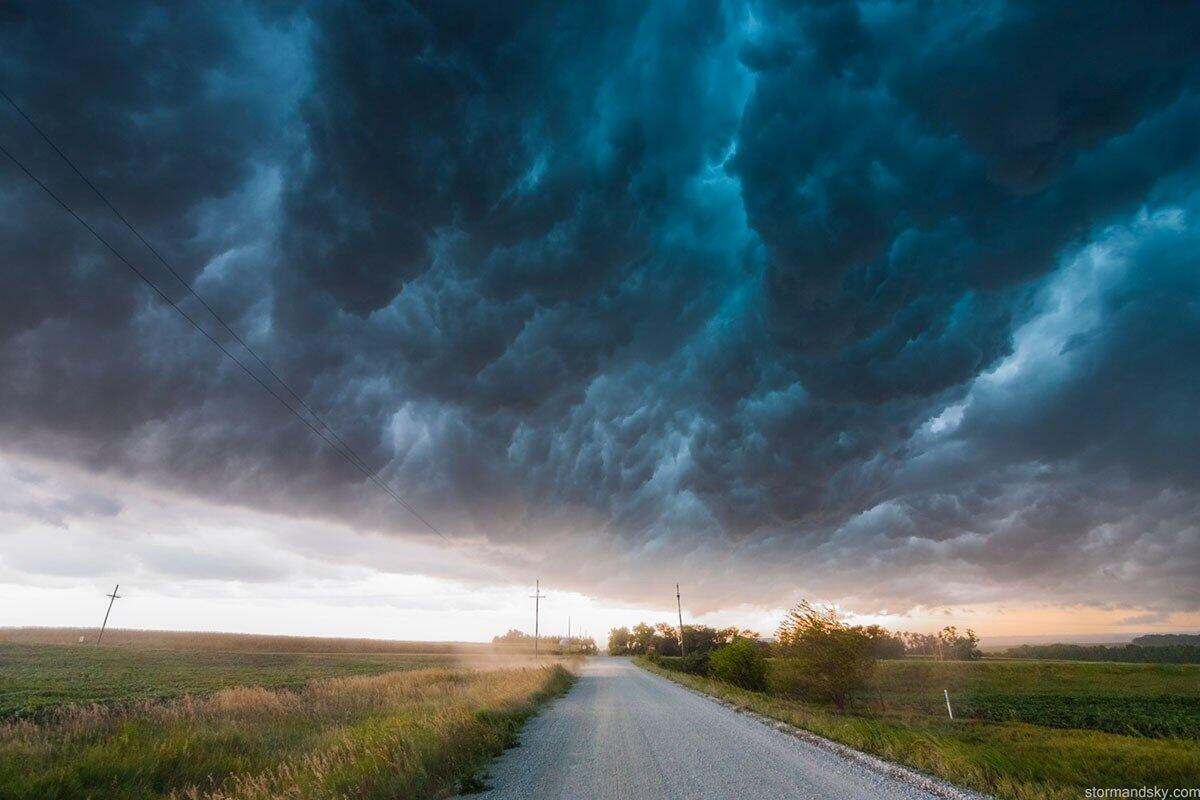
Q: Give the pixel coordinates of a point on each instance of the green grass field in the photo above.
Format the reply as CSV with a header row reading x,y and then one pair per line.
x,y
1158,700
40,678
1025,730
134,721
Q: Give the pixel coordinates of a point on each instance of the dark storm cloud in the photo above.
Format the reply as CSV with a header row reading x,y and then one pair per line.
x,y
916,178
738,285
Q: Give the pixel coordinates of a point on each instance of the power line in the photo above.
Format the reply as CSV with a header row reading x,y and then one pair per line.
x,y
346,454
362,465
183,281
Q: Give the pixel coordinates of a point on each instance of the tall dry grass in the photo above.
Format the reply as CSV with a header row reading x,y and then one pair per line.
x,y
397,735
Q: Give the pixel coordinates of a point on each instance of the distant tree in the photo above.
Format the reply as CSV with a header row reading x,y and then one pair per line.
x,y
920,644
666,639
699,639
618,642
883,643
641,640
662,639
945,645
705,639
835,660
1127,653
1167,640
957,646
740,663
513,636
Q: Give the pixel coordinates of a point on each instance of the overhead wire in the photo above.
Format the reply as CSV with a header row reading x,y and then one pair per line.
x,y
174,273
331,438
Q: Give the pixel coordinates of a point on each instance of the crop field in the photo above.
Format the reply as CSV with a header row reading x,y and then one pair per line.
x,y
133,721
39,678
36,677
1024,730
1157,700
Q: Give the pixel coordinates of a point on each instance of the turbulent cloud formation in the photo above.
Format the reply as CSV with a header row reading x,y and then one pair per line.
x,y
891,303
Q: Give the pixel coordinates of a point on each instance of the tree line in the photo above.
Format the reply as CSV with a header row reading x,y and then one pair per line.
x,y
1167,639
663,639
1125,653
820,656
514,639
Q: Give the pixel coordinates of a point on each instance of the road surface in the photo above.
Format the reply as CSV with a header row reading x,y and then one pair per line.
x,y
625,734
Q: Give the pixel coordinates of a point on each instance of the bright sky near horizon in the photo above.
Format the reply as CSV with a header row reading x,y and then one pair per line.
x,y
260,573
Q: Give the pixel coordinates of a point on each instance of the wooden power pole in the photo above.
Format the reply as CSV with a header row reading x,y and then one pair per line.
x,y
112,598
679,608
537,598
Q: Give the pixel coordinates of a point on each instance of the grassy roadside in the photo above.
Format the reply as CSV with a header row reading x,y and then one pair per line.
x,y
1007,759
397,735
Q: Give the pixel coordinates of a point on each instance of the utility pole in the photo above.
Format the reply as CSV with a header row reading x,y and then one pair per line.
x,y
568,628
537,598
112,598
679,608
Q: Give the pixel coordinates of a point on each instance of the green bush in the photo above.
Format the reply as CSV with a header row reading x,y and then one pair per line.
x,y
740,663
695,664
788,678
692,664
833,659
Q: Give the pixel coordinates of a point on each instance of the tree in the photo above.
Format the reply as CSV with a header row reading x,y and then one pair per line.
x,y
666,640
957,646
835,660
618,642
662,639
947,644
699,639
920,644
740,663
641,640
705,639
884,643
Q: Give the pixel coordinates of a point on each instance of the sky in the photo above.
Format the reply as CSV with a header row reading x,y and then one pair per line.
x,y
893,306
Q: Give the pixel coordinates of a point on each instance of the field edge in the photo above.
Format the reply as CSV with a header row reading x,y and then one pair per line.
x,y
346,730
560,681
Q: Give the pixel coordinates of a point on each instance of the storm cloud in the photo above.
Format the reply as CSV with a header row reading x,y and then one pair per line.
x,y
893,303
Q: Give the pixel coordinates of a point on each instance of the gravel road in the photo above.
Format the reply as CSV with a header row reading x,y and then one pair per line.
x,y
625,734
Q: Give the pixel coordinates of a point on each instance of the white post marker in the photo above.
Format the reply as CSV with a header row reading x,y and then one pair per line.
x,y
949,710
